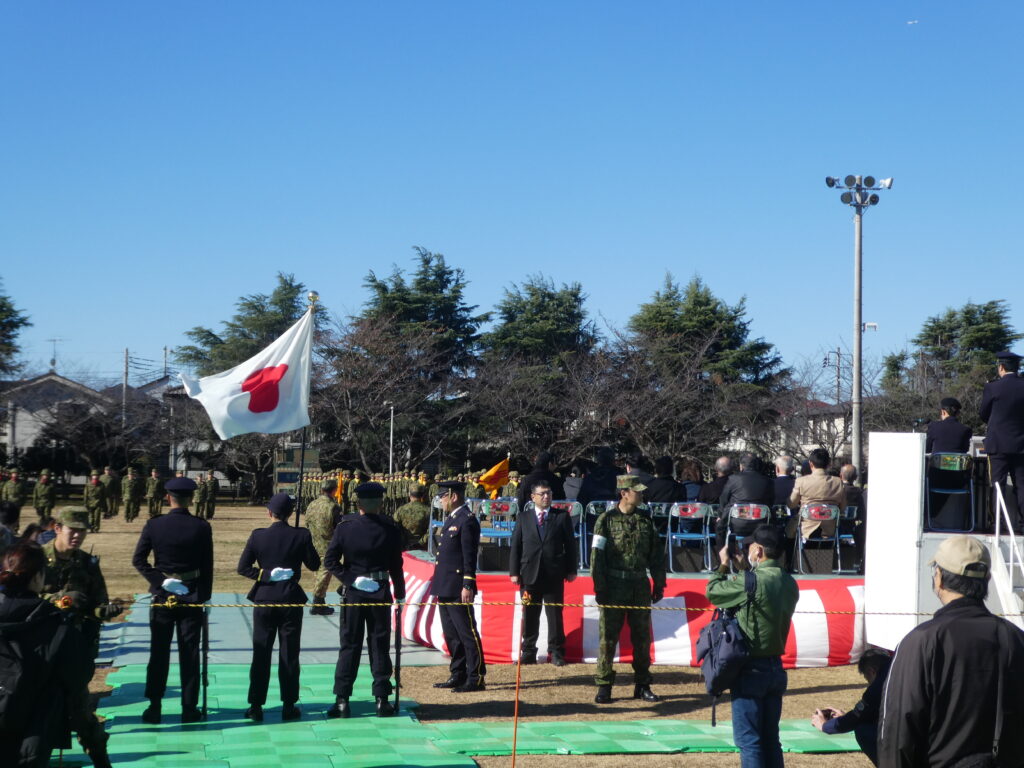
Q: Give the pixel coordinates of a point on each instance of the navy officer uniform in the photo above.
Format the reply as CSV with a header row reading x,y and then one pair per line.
x,y
273,557
1002,408
182,548
454,582
365,551
948,435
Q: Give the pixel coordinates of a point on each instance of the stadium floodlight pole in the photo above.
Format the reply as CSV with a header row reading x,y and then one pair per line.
x,y
861,193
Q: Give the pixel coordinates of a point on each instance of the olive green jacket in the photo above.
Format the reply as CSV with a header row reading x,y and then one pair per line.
x,y
766,619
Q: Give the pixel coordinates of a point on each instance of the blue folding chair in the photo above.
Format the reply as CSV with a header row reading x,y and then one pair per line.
x,y
594,510
950,478
844,537
821,513
689,522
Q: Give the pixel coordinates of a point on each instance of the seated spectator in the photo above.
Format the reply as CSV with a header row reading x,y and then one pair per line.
x,y
863,718
948,435
784,479
9,514
856,497
599,483
636,465
816,488
662,487
573,482
711,492
691,479
57,661
748,486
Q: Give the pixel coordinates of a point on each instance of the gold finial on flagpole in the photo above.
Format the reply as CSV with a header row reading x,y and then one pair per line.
x,y
313,297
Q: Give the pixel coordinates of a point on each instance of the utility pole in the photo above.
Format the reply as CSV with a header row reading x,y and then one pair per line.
x,y
165,362
124,394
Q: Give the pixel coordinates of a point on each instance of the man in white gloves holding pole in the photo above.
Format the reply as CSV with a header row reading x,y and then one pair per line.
x,y
365,554
273,557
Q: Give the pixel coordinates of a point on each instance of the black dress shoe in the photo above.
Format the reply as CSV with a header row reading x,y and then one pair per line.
x,y
644,692
192,715
384,707
340,709
558,661
255,713
319,609
604,694
291,712
470,687
451,682
528,658
151,715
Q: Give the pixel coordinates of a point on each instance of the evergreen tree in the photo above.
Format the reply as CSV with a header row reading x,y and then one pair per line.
x,y
11,323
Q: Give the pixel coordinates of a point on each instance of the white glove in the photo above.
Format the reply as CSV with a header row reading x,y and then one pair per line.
x,y
175,586
281,574
365,584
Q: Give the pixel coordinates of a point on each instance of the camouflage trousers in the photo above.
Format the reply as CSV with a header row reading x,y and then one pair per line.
x,y
131,509
95,516
323,576
113,505
154,504
622,592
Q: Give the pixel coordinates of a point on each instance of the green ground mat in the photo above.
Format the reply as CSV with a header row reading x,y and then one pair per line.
x,y
227,740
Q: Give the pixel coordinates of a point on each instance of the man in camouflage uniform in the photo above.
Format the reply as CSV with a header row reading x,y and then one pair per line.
x,y
322,516
414,518
625,547
95,500
111,492
154,493
73,582
132,489
212,489
199,498
44,495
14,491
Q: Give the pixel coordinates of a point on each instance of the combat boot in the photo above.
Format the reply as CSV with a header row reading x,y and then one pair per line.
x,y
320,609
644,692
604,695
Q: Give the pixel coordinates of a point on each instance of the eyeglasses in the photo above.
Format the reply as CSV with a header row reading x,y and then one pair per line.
x,y
542,493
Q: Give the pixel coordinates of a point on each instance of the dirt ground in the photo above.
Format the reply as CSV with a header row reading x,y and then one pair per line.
x,y
546,692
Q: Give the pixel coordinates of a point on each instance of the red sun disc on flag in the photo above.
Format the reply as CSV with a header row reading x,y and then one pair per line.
x,y
262,386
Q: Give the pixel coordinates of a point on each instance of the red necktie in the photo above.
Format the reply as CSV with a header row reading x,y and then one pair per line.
x,y
540,518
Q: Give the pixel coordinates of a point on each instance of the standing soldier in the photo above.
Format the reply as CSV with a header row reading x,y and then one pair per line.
x,y
414,518
131,494
199,498
273,557
95,500
626,547
14,491
321,518
111,497
154,493
73,581
44,495
212,489
365,555
343,490
182,548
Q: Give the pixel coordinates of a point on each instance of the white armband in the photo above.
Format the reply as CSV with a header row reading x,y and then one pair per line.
x,y
599,542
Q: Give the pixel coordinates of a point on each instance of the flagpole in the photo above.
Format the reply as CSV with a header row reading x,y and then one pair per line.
x,y
312,296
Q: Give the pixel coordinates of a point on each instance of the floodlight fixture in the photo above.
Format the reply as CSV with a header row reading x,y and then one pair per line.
x,y
869,181
850,181
831,181
846,197
873,200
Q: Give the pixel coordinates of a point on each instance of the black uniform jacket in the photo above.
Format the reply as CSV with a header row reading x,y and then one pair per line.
x,y
279,546
947,436
1002,408
746,488
940,699
363,545
543,557
455,568
182,545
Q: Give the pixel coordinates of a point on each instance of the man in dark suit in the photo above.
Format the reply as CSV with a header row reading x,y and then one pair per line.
x,y
711,492
948,435
543,557
182,547
784,480
543,469
455,582
1002,408
365,554
748,486
662,487
273,557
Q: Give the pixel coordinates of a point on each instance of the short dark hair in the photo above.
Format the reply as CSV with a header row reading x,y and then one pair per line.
x,y
749,461
968,586
877,659
540,484
819,458
663,466
9,513
21,563
771,538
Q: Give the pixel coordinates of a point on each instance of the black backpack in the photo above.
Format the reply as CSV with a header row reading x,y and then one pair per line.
x,y
722,648
23,676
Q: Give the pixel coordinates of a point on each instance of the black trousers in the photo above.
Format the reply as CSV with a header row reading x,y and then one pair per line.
x,y
1001,466
284,625
458,622
375,623
546,594
162,625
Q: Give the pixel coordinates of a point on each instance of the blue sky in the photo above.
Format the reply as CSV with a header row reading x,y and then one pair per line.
x,y
160,160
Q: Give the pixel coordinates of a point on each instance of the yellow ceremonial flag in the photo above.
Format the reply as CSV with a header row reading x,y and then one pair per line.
x,y
495,478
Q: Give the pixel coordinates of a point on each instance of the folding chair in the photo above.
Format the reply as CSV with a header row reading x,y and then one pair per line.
x,y
951,480
759,513
844,537
684,517
821,513
594,510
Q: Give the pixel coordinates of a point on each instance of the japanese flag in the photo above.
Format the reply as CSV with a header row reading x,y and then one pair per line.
x,y
267,393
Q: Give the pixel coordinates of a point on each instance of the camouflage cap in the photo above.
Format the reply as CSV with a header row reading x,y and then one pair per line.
x,y
417,490
73,517
94,473
630,482
45,473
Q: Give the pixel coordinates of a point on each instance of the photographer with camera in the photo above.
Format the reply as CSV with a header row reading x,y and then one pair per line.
x,y
863,718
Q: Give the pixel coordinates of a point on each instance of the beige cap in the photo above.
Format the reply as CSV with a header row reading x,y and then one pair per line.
x,y
963,556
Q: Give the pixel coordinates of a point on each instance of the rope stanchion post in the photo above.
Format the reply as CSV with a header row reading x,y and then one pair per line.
x,y
398,652
519,670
